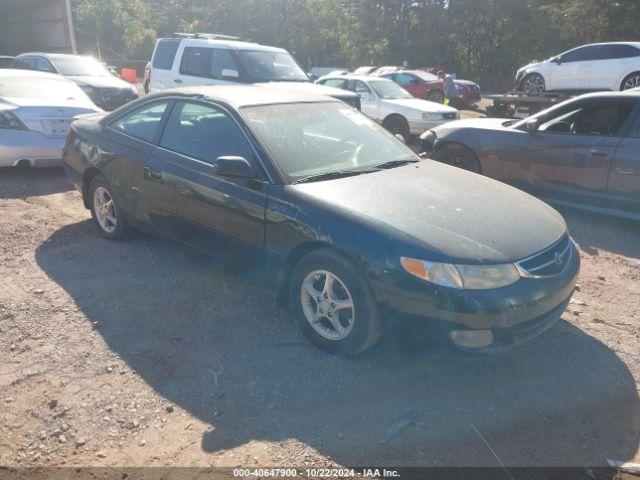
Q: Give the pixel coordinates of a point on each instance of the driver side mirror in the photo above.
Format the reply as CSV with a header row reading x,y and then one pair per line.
x,y
229,74
230,166
557,60
532,125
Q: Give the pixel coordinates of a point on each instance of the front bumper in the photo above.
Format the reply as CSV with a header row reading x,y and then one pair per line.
x,y
39,149
418,127
515,314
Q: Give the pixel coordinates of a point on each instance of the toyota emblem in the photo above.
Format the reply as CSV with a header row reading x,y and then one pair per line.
x,y
559,258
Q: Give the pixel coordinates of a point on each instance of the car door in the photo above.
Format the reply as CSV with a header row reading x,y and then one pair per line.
x,y
574,147
623,187
572,70
615,61
220,215
368,100
123,150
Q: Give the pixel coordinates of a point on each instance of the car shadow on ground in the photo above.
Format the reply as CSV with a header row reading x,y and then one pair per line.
x,y
32,182
594,232
213,342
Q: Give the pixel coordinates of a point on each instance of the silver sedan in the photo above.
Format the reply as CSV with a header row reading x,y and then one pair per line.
x,y
392,106
36,110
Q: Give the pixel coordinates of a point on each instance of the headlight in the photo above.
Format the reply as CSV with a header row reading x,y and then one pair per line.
x,y
474,277
9,121
431,116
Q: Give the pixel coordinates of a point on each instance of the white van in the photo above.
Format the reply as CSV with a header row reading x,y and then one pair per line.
x,y
207,59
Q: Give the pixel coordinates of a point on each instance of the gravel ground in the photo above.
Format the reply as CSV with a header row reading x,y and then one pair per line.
x,y
147,353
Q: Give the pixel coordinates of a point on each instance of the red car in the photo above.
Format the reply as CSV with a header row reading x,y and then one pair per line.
x,y
428,86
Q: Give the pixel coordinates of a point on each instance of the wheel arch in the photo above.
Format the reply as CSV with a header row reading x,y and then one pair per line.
x,y
456,144
283,275
626,77
87,176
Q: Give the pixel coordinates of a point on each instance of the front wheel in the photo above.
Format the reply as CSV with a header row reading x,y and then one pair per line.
x,y
336,308
533,83
458,156
109,218
397,125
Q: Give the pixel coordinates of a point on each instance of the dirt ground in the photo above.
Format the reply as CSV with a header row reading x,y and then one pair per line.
x,y
147,353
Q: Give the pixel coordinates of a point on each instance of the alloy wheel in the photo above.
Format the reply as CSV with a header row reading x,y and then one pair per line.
x,y
533,84
105,209
327,305
632,82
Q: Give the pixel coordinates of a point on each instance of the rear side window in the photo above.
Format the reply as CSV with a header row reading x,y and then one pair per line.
x,y
207,62
204,132
142,123
165,53
613,51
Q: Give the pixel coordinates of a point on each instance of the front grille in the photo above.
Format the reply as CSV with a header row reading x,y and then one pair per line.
x,y
450,115
112,98
550,261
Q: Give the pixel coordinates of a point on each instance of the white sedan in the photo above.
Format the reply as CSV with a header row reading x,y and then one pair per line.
x,y
36,110
392,106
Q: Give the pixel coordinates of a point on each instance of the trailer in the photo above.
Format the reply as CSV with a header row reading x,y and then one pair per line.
x,y
516,104
36,25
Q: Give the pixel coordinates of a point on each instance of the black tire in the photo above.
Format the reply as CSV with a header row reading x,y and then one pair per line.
x,y
397,125
121,229
436,96
458,156
365,329
633,79
533,83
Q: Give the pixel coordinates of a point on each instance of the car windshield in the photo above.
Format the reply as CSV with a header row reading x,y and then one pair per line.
x,y
264,66
315,139
427,77
388,90
80,66
43,88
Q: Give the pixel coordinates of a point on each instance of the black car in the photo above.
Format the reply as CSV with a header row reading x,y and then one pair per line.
x,y
344,219
583,153
103,88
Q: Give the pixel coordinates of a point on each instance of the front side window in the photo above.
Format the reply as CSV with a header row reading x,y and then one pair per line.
x,y
581,54
44,65
204,132
358,87
221,59
265,66
142,123
309,139
598,118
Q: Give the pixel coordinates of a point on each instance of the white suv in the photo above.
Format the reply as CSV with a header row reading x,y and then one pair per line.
x,y
599,66
207,59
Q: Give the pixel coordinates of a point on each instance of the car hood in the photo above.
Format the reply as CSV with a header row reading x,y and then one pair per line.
x,y
497,124
100,82
460,216
422,105
308,87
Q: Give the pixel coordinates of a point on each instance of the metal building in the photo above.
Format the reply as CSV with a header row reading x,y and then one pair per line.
x,y
36,25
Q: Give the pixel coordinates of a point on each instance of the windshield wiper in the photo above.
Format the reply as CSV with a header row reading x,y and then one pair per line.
x,y
331,175
395,163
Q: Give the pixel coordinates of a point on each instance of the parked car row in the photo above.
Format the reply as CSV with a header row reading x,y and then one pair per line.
x,y
348,223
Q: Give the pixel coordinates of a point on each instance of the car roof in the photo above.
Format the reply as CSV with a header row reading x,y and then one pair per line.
x,y
52,55
631,94
239,96
634,44
230,44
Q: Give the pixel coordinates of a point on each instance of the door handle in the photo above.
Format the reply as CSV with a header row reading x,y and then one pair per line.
x,y
625,171
177,80
153,175
596,152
